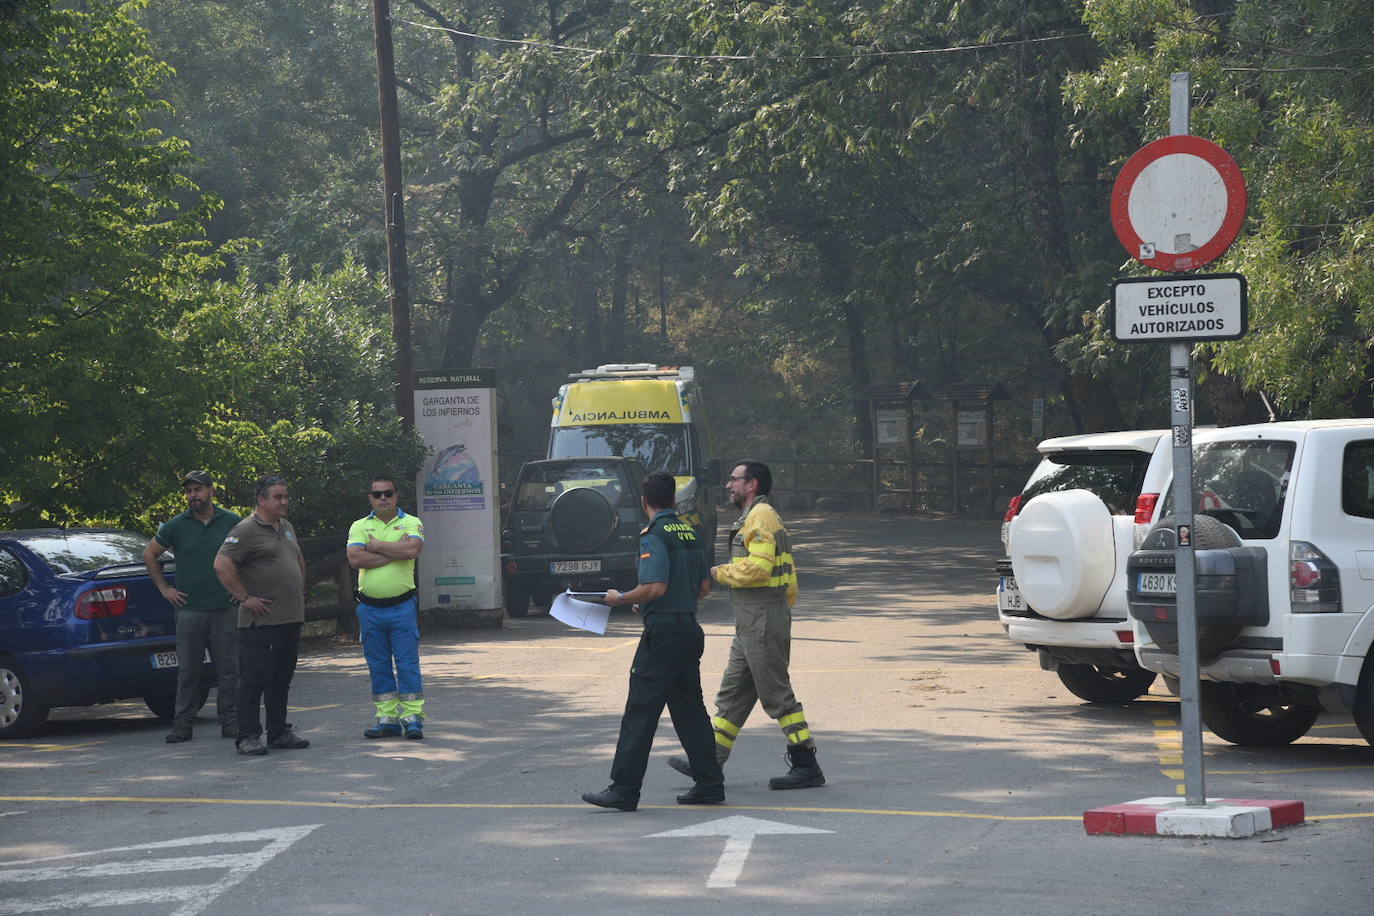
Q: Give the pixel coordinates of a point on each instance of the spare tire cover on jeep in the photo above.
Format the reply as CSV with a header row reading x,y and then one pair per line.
x,y
582,519
1208,534
1063,553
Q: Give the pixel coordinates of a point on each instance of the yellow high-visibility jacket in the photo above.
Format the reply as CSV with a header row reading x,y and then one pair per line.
x,y
760,553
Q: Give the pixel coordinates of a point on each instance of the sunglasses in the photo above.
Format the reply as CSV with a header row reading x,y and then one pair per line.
x,y
383,494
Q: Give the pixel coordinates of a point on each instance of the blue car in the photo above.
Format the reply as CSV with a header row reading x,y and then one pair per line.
x,y
81,623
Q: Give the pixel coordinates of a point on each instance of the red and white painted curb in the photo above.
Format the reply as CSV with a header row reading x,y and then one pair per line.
x,y
1222,817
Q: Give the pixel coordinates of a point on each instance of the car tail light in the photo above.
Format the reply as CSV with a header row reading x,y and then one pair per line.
x,y
1013,506
102,602
1125,636
1314,584
1144,511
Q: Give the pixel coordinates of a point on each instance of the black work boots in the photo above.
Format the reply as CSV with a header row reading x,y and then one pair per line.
x,y
803,772
614,797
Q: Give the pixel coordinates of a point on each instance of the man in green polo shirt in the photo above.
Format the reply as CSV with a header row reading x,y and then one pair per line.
x,y
667,663
383,546
203,617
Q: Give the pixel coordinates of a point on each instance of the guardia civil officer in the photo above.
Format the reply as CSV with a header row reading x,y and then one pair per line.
x,y
667,664
763,589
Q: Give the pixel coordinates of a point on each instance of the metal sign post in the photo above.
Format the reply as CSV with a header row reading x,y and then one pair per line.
x,y
1181,419
1177,205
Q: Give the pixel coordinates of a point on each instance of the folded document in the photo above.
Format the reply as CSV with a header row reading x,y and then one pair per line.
x,y
583,615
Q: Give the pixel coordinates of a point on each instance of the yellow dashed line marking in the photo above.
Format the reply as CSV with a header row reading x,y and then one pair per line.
x,y
706,674
538,677
559,648
1336,725
1169,744
1168,738
50,747
313,708
1360,766
530,806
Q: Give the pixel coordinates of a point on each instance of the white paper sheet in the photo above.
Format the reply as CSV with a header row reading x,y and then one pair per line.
x,y
583,615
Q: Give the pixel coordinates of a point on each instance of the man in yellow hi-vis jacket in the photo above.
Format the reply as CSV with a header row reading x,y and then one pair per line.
x,y
763,588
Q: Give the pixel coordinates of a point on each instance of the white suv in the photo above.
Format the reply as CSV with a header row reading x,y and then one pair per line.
x,y
1062,589
1302,492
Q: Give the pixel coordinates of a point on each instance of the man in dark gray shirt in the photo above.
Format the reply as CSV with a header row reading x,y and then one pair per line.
x,y
262,568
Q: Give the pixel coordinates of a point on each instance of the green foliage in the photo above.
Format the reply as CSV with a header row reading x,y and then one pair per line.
x,y
297,380
798,222
96,259
278,99
1288,88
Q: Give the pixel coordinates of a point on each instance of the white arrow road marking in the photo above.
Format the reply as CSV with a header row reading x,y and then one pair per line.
x,y
193,897
739,833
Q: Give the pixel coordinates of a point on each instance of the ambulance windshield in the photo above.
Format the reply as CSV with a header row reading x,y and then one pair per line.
x,y
658,446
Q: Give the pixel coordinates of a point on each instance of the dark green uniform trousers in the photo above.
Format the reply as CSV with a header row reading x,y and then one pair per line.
x,y
666,671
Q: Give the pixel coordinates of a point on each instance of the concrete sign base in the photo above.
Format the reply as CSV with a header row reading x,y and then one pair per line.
x,y
1221,817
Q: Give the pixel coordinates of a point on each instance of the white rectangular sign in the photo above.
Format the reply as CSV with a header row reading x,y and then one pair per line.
x,y
457,490
1181,308
973,427
891,427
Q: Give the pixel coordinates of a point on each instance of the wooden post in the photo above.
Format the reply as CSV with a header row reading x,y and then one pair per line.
x,y
873,425
992,505
398,274
954,457
910,458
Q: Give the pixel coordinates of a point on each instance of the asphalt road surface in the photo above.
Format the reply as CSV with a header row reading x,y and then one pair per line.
x,y
957,774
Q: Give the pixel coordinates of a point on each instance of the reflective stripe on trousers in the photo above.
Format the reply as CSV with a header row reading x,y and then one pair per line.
x,y
757,669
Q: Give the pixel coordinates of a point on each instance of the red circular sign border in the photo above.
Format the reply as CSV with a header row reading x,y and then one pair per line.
x,y
1237,199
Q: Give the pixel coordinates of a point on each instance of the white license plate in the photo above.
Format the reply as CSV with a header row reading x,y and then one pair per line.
x,y
1009,595
168,659
1156,583
558,567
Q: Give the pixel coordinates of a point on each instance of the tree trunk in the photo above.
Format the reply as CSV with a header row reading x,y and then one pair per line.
x,y
1092,403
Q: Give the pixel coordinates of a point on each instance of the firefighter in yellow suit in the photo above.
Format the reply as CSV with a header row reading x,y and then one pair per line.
x,y
763,589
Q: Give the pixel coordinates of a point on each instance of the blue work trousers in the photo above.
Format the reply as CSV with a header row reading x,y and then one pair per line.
x,y
392,633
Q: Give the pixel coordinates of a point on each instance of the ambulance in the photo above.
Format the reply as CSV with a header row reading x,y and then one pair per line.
x,y
653,413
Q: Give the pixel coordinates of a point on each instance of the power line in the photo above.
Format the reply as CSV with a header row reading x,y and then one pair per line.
x,y
857,55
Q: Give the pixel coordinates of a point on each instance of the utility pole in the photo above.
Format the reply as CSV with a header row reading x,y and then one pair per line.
x,y
398,274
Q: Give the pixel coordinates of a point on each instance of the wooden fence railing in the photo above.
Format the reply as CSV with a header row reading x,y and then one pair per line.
x,y
928,485
862,482
329,581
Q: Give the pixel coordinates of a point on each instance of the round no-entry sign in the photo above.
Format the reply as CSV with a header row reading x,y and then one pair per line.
x,y
1178,203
